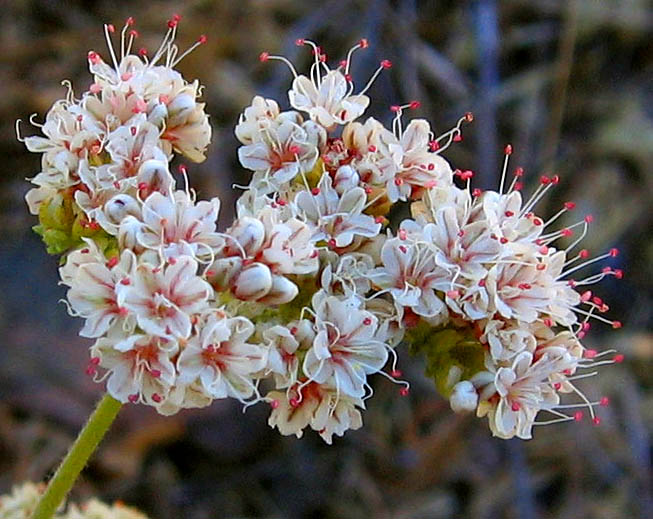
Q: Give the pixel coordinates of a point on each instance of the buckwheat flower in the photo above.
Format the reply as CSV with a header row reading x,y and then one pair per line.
x,y
345,349
508,338
255,119
221,359
93,293
176,225
164,298
337,219
140,367
281,150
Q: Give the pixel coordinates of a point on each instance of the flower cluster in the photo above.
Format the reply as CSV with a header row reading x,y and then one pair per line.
x,y
22,502
311,289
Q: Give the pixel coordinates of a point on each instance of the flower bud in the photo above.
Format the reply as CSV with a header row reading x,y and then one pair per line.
x,y
119,207
464,397
346,178
249,233
157,114
223,271
180,109
253,282
155,174
282,291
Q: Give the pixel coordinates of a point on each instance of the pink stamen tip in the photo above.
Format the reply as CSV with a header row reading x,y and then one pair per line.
x,y
95,88
343,63
402,234
363,43
263,56
156,373
614,253
132,130
332,243
112,262
172,24
481,282
618,273
604,402
172,261
299,42
606,270
129,21
589,218
403,249
293,330
503,240
142,51
544,180
583,253
156,397
518,186
453,294
348,78
414,105
404,391
434,146
548,322
281,202
293,402
202,39
395,108
94,57
183,169
133,398
395,373
596,420
567,232
458,138
586,326
90,371
578,416
580,335
544,249
398,181
616,325
371,148
508,150
111,28
176,17
125,281
386,64
134,33
509,214
586,296
469,117
315,191
274,404
570,206
557,386
430,167
618,358
515,406
590,354
95,361
477,192
367,321
597,300
519,172
555,180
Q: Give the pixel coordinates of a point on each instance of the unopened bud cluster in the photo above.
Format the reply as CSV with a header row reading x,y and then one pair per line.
x,y
309,291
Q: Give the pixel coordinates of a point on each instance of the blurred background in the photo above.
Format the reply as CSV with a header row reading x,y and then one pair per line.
x,y
568,83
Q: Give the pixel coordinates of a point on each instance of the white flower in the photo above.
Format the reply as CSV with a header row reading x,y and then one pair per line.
x,y
507,339
255,119
163,299
327,99
221,358
464,397
335,217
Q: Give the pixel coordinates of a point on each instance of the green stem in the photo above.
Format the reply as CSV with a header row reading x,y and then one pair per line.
x,y
85,444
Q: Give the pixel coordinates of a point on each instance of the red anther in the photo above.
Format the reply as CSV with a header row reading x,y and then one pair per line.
x,y
281,202
618,273
386,63
156,373
567,232
95,361
580,335
90,371
604,402
123,312
509,214
172,261
524,286
326,159
583,253
156,397
367,321
112,262
398,181
402,234
403,249
314,254
544,249
548,322
202,39
507,150
404,391
263,56
211,348
294,149
247,261
430,167
457,172
395,108
293,402
596,420
332,243
125,281
469,117
589,218
134,33
133,398
538,241
503,240
84,251
396,373
586,326
515,406
142,186
300,41
132,130
142,51
183,169
129,21
110,28
570,205
537,221
616,324
477,192
606,270
433,145
274,404
315,191
371,148
597,300
518,186
453,294
379,219
116,184
481,282
94,57
323,58
457,138
363,43
461,233
544,180
467,174
590,354
172,24
348,78
586,296
555,179
293,330
176,17
614,253
209,273
343,63
519,172
578,416
414,105
618,358
557,386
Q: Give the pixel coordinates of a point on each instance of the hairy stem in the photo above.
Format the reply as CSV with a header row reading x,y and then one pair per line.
x,y
85,444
